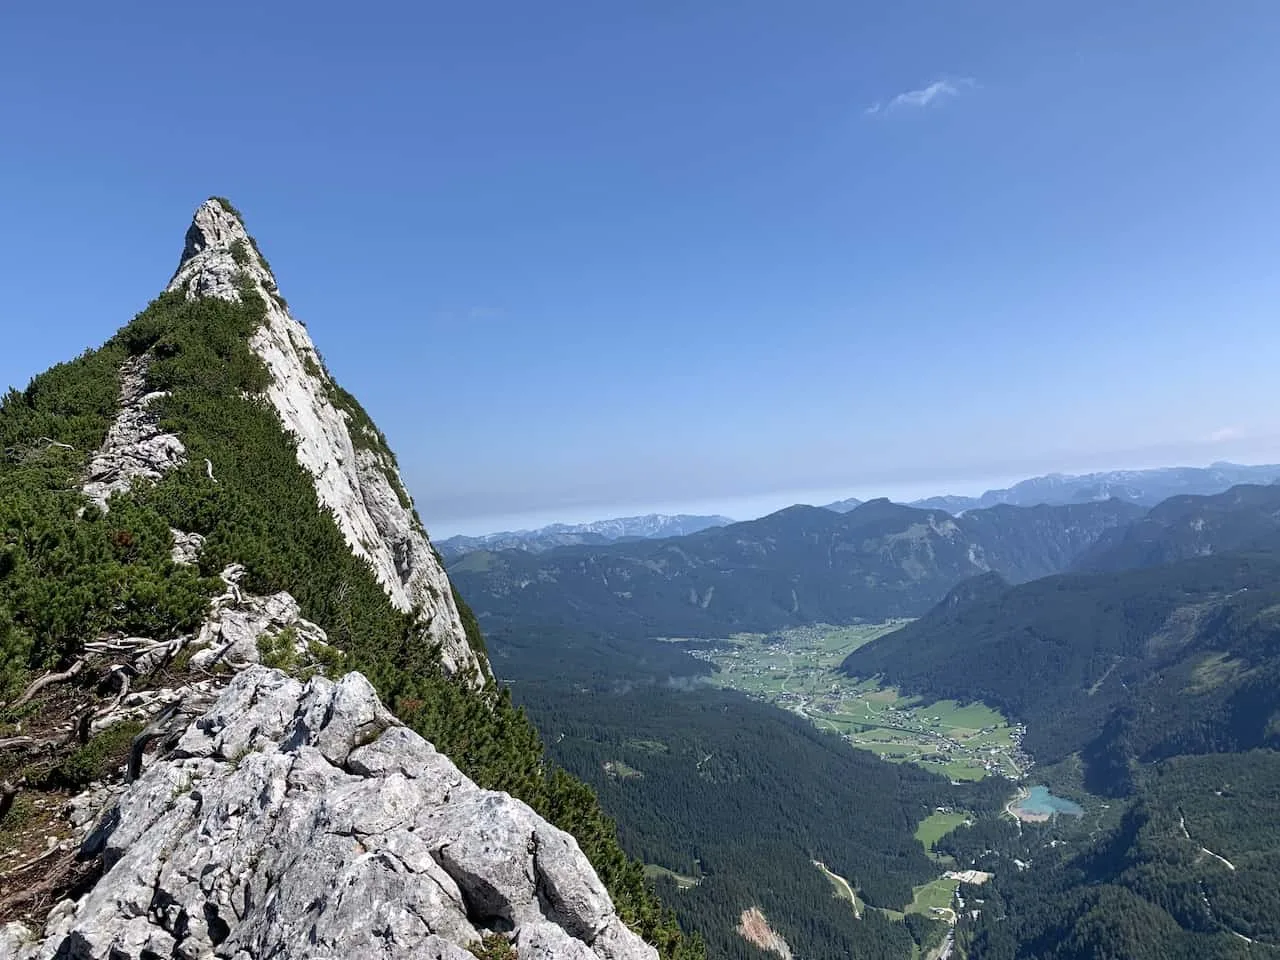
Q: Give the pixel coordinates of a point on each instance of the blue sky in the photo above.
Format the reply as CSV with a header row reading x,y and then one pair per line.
x,y
585,259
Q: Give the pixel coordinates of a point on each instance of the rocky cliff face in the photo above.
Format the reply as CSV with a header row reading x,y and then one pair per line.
x,y
355,474
232,810
302,820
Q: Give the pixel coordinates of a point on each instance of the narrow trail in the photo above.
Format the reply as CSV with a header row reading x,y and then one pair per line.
x,y
1021,795
1182,822
853,897
1204,896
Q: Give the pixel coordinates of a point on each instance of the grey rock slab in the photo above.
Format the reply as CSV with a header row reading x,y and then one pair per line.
x,y
301,820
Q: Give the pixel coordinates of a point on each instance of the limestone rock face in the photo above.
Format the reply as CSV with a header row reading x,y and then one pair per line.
x,y
355,475
135,445
302,821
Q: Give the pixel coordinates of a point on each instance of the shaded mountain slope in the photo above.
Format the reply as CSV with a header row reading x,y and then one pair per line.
x,y
799,565
1242,518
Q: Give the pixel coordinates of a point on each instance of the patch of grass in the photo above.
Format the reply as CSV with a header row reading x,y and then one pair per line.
x,y
649,746
957,770
494,946
622,771
1213,671
934,895
936,826
19,816
683,882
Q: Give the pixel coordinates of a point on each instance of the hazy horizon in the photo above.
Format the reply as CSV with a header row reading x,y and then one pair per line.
x,y
751,507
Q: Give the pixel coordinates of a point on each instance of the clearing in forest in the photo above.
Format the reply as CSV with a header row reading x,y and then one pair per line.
x,y
936,826
653,871
844,890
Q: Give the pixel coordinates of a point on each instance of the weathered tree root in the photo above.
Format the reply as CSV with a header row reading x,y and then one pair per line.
x,y
46,680
121,675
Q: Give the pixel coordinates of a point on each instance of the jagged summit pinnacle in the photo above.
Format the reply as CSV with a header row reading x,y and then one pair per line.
x,y
217,252
355,473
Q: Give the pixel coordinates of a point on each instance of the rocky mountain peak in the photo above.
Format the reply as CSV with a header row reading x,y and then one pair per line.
x,y
355,473
229,800
217,252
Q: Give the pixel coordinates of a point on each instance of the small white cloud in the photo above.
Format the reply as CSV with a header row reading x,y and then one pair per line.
x,y
1223,434
933,93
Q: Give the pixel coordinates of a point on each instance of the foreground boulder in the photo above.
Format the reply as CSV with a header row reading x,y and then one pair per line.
x,y
303,821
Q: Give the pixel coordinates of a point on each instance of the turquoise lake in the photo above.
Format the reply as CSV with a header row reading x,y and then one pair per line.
x,y
1042,803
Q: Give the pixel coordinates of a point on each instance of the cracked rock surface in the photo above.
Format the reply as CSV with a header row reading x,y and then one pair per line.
x,y
303,821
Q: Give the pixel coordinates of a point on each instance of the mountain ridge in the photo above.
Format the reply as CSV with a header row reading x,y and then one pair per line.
x,y
1242,518
354,471
799,565
1144,487
650,526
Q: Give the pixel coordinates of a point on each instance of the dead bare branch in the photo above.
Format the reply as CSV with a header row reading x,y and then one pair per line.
x,y
46,680
22,867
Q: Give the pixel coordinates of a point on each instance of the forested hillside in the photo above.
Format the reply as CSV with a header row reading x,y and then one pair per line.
x,y
742,797
1242,518
1189,873
800,565
1158,681
1149,663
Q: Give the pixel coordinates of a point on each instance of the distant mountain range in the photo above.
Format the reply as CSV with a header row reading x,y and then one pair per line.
x,y
799,565
1143,487
648,527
